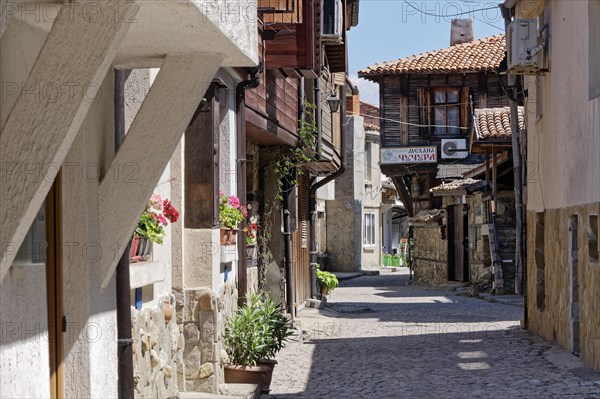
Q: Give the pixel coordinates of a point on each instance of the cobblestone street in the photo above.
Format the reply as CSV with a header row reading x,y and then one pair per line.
x,y
382,338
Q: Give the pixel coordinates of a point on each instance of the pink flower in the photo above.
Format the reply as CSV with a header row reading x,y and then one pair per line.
x,y
162,220
244,211
156,202
234,201
221,193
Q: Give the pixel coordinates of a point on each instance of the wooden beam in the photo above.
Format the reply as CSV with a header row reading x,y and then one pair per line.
x,y
38,133
405,196
149,144
487,169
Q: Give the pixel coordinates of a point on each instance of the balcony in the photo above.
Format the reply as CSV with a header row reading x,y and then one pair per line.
x,y
272,110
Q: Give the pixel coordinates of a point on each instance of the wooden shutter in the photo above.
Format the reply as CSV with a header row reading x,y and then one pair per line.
x,y
465,109
424,101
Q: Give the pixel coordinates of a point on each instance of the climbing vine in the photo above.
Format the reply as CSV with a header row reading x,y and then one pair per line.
x,y
303,152
286,164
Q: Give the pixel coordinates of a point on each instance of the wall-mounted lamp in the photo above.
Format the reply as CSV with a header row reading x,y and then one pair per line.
x,y
334,102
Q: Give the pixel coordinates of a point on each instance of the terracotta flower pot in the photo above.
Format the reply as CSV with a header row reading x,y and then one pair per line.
x,y
251,251
228,236
246,375
270,363
135,242
324,291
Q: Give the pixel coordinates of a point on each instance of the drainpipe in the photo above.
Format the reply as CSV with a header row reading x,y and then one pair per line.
x,y
521,283
287,248
240,94
313,199
124,340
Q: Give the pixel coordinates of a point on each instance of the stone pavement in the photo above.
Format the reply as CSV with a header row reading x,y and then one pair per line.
x,y
381,338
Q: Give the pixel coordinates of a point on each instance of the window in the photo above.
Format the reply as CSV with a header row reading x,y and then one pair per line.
x,y
33,248
369,230
446,111
594,48
368,166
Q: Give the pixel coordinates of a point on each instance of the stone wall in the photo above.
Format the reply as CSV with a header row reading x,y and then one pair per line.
x,y
480,259
549,266
157,349
205,315
430,255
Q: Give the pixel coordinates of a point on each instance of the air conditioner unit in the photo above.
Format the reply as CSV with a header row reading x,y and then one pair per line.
x,y
332,21
524,55
454,149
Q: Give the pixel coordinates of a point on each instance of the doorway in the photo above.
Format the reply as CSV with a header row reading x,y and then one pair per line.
x,y
457,250
574,269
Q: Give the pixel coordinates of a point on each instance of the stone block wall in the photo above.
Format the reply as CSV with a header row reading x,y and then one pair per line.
x,y
549,287
205,315
430,255
480,261
157,348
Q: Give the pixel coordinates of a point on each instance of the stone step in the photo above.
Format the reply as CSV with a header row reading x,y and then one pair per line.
x,y
236,391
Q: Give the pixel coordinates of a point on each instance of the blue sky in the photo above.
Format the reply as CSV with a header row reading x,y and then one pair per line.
x,y
392,29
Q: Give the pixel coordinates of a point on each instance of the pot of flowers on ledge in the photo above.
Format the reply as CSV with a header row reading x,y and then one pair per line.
x,y
231,214
150,228
251,231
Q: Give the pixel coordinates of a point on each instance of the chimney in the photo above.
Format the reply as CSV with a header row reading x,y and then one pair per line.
x,y
461,31
353,104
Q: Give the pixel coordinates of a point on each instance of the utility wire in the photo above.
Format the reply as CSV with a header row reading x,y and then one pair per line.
x,y
413,124
448,15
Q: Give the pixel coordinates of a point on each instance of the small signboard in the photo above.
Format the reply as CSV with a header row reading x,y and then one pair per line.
x,y
390,156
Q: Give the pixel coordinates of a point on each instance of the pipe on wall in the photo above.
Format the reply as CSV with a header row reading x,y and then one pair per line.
x,y
124,339
520,255
313,199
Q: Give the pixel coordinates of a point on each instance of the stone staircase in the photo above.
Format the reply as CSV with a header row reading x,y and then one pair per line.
x,y
506,251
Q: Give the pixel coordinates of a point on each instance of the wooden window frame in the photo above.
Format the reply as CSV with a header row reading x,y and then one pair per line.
x,y
427,106
445,105
366,242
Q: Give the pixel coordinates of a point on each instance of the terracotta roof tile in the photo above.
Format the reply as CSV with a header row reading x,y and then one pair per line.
x,y
431,217
370,126
479,55
458,187
494,123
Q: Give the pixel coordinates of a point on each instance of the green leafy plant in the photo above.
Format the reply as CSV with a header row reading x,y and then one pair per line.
x,y
256,332
157,215
303,152
326,280
231,212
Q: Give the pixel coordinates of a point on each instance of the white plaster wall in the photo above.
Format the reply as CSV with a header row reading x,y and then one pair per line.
x,y
18,51
228,159
24,334
563,145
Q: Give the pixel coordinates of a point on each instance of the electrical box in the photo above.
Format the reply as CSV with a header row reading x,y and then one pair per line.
x,y
525,53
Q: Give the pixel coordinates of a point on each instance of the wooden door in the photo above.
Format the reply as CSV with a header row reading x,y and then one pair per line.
x,y
54,289
457,256
300,246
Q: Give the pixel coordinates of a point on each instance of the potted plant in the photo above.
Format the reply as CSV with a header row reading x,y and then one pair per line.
x,y
150,228
251,231
326,281
231,213
253,336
